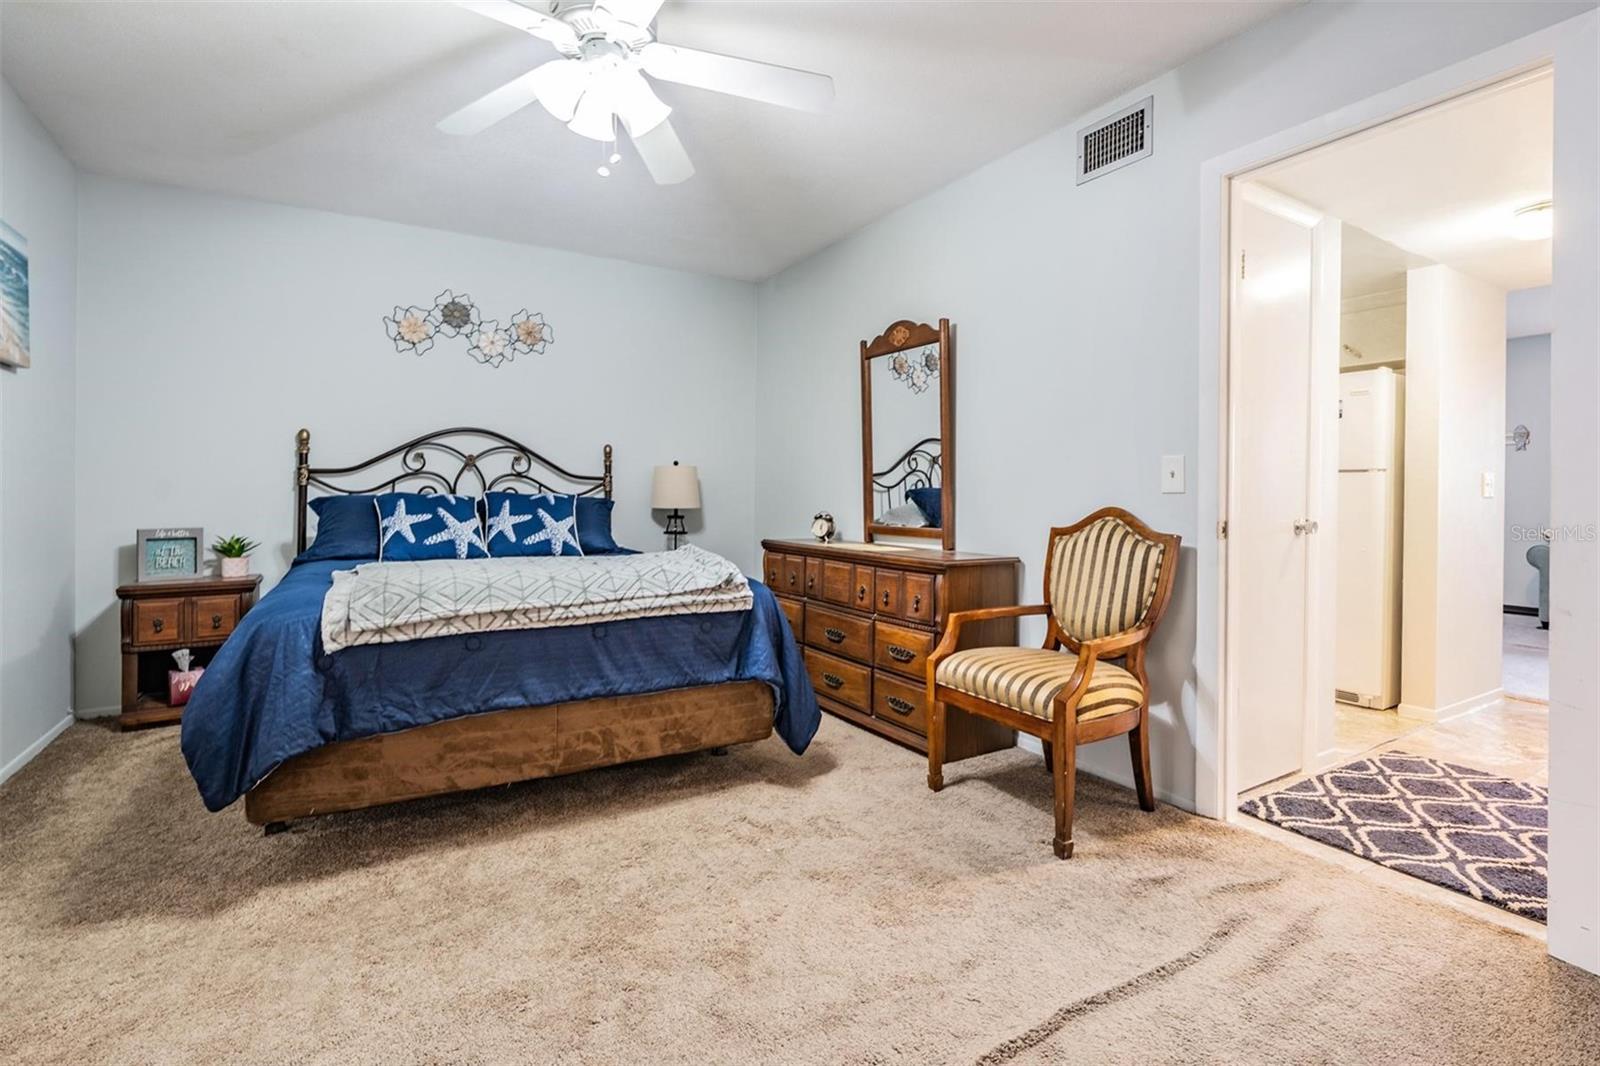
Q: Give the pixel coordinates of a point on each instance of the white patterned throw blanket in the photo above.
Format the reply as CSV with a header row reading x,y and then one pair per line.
x,y
385,603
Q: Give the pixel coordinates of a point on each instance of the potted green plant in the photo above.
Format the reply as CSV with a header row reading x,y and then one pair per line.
x,y
233,555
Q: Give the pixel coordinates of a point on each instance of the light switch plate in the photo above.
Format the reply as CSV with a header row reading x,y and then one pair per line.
x,y
1172,473
1488,484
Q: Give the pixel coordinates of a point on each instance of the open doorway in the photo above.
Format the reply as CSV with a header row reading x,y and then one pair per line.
x,y
1386,702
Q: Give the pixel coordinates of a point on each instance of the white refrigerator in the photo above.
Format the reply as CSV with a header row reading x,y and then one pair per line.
x,y
1371,449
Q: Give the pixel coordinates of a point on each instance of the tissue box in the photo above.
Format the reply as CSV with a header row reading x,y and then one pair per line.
x,y
180,684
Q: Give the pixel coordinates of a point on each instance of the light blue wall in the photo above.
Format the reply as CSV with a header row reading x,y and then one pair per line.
x,y
256,319
38,197
1076,313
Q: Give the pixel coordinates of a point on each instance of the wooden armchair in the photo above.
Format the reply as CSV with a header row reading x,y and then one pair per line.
x,y
1107,581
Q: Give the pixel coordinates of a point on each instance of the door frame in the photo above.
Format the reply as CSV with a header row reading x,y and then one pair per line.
x,y
1570,47
1321,465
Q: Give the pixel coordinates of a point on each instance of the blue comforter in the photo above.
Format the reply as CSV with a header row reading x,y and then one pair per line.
x,y
272,693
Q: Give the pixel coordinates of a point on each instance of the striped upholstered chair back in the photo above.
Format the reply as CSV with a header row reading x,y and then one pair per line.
x,y
1103,575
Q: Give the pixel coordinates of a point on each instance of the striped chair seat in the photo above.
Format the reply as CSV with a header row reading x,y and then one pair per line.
x,y
1028,680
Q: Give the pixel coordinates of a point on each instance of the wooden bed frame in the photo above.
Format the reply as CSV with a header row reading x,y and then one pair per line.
x,y
496,748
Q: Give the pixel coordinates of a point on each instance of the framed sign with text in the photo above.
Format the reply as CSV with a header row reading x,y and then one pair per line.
x,y
170,552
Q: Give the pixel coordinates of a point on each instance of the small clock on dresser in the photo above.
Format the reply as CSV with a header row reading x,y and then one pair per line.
x,y
823,528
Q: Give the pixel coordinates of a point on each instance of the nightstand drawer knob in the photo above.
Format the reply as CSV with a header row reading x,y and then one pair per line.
x,y
216,621
158,624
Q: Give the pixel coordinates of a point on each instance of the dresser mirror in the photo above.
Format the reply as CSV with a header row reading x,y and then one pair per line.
x,y
907,433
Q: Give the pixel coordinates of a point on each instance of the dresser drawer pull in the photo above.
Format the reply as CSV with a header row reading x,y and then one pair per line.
x,y
835,635
900,706
158,624
791,580
886,597
916,602
861,594
216,621
811,582
901,655
833,680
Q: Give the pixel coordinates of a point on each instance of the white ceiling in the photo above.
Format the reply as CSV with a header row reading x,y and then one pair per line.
x,y
333,104
1372,272
1442,184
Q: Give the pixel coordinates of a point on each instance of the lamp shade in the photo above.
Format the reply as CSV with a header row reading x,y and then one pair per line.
x,y
675,488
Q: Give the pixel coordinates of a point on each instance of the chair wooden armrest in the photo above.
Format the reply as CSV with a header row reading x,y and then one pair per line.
x,y
957,619
1092,651
1118,646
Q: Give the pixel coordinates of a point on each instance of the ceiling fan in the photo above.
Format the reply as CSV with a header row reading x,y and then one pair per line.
x,y
607,47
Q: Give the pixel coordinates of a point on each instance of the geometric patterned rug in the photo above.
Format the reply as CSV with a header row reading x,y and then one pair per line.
x,y
1466,830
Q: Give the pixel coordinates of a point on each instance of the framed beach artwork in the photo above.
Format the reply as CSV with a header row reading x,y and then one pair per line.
x,y
13,298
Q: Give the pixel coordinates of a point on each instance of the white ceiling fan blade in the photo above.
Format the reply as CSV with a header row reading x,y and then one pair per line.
x,y
633,12
485,111
784,86
663,154
539,23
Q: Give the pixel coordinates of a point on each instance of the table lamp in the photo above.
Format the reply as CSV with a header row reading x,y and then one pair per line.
x,y
675,489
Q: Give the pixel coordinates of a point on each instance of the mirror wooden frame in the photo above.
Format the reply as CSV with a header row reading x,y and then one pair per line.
x,y
898,337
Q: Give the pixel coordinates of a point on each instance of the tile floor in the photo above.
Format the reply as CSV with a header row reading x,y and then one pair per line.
x,y
1526,669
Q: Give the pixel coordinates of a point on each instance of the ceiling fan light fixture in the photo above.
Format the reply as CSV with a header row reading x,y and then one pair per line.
x,y
1536,222
636,104
595,117
560,85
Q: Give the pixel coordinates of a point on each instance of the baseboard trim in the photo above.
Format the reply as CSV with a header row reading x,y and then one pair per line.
x,y
1183,803
1418,713
1512,608
1327,760
86,713
27,754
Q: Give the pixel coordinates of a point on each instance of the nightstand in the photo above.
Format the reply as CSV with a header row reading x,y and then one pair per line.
x,y
158,618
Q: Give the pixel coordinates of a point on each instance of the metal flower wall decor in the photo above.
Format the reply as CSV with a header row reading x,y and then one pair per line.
x,y
414,329
916,369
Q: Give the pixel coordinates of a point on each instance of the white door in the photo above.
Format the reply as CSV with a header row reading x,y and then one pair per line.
x,y
1269,397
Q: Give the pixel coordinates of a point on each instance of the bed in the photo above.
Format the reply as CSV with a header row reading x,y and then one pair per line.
x,y
298,731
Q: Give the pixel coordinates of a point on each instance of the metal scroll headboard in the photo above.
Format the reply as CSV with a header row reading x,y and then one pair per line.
x,y
918,468
465,460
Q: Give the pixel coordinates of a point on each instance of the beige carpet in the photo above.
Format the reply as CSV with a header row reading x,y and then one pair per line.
x,y
753,908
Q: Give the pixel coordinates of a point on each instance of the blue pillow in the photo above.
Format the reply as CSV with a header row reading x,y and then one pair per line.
x,y
594,526
428,525
347,528
521,524
930,502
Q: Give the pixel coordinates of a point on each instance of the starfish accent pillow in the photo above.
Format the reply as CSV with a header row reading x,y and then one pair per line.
x,y
524,524
428,525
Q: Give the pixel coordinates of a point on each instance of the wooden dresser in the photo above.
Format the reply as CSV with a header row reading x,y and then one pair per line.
x,y
158,618
869,614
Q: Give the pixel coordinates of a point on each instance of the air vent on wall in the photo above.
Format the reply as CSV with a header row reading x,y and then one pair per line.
x,y
1116,141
